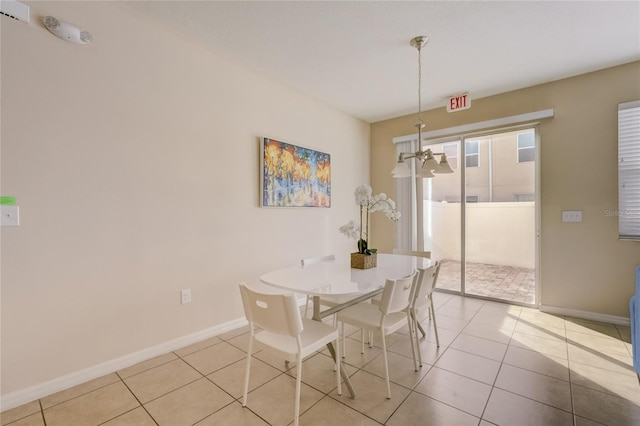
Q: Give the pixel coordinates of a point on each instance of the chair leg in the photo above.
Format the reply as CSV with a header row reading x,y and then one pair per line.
x,y
306,306
386,364
337,365
247,371
415,330
344,343
335,325
362,340
435,326
411,324
296,410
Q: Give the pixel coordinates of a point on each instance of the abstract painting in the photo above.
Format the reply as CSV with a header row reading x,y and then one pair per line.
x,y
293,176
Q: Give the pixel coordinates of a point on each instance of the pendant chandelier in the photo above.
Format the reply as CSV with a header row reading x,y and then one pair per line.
x,y
428,165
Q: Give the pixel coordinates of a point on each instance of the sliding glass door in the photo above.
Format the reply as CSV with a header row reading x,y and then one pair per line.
x,y
441,218
481,221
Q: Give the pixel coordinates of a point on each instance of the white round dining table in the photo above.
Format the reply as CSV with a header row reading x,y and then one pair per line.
x,y
344,285
338,278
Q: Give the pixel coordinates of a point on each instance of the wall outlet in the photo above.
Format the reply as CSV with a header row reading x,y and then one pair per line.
x,y
572,216
185,295
10,215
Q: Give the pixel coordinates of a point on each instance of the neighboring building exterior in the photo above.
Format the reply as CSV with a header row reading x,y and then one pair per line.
x,y
499,168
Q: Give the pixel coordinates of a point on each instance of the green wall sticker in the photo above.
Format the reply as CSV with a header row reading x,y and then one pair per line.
x,y
7,201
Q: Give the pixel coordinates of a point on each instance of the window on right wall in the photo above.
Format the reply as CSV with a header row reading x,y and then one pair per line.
x,y
629,171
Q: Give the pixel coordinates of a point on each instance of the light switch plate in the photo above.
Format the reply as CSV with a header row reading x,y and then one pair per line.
x,y
10,215
572,216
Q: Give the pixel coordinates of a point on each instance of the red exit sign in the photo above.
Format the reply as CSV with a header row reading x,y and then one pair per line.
x,y
459,102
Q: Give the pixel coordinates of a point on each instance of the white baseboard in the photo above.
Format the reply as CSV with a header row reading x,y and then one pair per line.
x,y
32,393
592,316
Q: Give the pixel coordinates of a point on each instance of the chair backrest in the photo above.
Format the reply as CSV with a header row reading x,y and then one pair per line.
x,y
426,282
312,260
277,313
435,276
396,294
426,254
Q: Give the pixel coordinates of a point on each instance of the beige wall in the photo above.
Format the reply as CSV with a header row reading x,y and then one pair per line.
x,y
583,265
134,161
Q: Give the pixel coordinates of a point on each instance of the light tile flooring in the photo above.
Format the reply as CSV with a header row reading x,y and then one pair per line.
x,y
497,364
509,283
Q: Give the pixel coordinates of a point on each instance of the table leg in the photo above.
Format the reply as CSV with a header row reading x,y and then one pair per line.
x,y
332,350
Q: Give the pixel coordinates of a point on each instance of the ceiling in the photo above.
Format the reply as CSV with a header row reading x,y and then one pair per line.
x,y
356,56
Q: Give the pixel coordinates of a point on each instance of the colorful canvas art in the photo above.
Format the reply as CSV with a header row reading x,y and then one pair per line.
x,y
293,176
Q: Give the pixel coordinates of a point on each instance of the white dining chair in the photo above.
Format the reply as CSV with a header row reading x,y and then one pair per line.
x,y
426,254
389,316
327,301
312,260
376,300
323,301
285,333
423,301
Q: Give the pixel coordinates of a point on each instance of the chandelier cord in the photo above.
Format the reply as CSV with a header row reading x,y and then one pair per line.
x,y
424,159
419,86
420,124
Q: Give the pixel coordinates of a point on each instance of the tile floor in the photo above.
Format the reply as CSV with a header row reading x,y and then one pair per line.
x,y
497,364
509,283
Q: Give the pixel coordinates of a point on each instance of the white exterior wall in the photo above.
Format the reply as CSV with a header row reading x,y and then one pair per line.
x,y
497,233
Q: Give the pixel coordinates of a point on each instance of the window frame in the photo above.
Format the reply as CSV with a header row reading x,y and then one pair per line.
x,y
524,197
468,155
531,149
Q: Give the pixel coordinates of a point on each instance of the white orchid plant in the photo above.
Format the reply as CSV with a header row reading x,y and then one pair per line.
x,y
368,204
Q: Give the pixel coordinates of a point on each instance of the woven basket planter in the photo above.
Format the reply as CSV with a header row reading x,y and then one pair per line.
x,y
362,261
